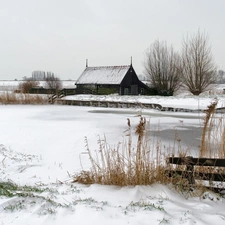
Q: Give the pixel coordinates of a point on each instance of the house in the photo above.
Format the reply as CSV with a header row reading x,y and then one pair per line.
x,y
110,79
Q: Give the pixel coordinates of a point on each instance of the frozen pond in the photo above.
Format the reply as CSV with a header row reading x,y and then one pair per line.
x,y
37,130
45,144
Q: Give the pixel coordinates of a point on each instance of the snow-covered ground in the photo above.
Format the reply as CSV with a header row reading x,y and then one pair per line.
x,y
42,146
186,102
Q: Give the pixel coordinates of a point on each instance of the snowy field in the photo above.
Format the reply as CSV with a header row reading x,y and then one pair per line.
x,y
42,146
9,85
186,102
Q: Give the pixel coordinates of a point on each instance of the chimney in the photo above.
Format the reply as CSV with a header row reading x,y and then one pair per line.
x,y
86,62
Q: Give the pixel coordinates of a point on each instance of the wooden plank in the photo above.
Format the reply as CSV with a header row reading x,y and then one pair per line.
x,y
198,176
197,161
210,176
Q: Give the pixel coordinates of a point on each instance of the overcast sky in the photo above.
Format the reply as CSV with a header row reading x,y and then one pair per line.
x,y
58,35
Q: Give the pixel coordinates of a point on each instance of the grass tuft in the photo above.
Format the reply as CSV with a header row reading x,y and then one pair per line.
x,y
125,165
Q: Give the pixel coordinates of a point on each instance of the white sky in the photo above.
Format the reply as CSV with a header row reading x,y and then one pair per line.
x,y
58,35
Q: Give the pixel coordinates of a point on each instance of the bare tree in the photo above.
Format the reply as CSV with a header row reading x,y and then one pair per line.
x,y
27,85
198,68
162,66
53,82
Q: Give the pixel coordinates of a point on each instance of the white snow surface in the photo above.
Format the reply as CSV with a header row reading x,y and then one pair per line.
x,y
9,85
103,75
43,145
187,102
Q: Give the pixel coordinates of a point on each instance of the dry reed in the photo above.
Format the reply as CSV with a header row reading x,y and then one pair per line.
x,y
15,98
125,165
213,133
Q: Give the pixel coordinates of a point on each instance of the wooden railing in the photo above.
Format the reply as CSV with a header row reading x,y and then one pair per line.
x,y
61,93
202,169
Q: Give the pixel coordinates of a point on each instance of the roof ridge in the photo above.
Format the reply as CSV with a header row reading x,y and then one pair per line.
x,y
108,66
103,74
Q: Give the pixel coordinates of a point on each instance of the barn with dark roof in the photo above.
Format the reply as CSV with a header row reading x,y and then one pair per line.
x,y
110,79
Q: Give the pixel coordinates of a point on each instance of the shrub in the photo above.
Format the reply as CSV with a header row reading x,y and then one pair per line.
x,y
53,82
27,85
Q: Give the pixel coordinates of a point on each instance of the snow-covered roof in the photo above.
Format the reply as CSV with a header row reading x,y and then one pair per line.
x,y
103,75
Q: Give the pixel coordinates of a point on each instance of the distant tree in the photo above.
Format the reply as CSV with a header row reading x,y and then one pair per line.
x,y
162,66
198,68
53,82
221,76
26,85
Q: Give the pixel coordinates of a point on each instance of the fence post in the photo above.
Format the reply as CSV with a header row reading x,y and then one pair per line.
x,y
190,169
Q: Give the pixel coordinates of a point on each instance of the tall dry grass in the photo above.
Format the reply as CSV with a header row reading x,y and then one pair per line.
x,y
126,165
20,98
213,133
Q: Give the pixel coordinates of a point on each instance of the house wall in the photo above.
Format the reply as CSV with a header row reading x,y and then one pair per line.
x,y
97,89
130,85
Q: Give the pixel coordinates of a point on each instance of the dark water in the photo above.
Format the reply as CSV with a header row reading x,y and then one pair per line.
x,y
188,136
